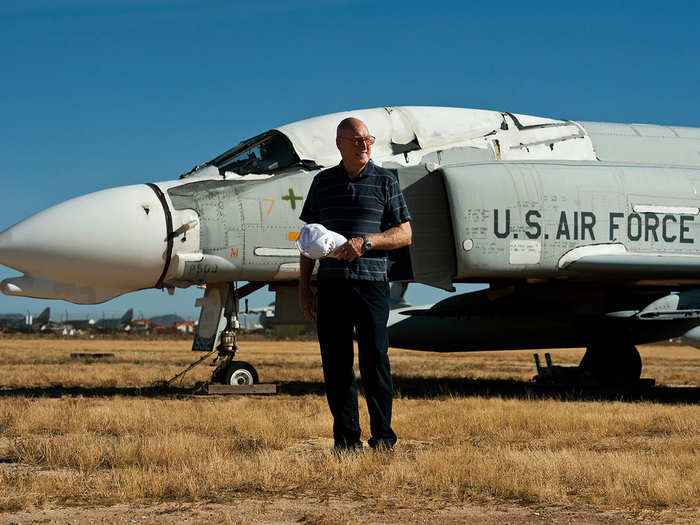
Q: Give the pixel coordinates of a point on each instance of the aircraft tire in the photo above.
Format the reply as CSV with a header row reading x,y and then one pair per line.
x,y
240,373
613,364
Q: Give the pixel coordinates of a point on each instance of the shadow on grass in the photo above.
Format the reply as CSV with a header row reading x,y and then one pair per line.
x,y
408,387
57,391
442,387
416,387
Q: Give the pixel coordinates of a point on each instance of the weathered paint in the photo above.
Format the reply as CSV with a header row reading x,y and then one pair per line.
x,y
438,128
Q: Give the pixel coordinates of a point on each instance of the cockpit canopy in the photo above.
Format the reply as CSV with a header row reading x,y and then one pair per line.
x,y
407,136
271,151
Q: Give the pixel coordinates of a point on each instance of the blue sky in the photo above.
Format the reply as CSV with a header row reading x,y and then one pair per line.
x,y
96,94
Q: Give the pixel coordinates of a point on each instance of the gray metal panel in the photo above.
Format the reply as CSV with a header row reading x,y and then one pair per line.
x,y
495,240
237,217
217,206
518,219
287,309
432,250
608,128
653,130
457,155
645,143
687,133
647,150
251,212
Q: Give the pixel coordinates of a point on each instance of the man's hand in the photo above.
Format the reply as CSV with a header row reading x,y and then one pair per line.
x,y
349,251
307,302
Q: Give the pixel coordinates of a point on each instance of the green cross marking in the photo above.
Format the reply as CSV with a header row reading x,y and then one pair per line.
x,y
292,198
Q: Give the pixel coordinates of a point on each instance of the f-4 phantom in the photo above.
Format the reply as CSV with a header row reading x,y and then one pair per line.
x,y
586,233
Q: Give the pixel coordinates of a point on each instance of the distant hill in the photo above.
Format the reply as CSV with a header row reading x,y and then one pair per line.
x,y
11,316
165,320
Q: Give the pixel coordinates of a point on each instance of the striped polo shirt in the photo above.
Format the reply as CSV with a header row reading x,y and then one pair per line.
x,y
372,202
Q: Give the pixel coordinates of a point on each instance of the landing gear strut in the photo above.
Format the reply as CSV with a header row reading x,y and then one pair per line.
x,y
228,371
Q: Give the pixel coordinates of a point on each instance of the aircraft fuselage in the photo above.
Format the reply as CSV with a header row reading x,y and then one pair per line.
x,y
543,204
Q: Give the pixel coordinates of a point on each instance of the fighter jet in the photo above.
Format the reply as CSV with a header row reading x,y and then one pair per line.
x,y
585,232
115,324
28,323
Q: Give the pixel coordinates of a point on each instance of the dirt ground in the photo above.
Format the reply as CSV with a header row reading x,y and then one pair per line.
x,y
315,511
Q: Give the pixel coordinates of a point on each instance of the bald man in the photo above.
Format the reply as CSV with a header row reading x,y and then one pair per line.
x,y
364,203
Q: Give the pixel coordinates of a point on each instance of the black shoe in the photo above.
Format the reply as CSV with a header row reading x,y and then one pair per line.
x,y
381,445
341,449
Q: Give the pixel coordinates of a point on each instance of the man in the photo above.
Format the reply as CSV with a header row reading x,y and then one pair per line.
x,y
364,203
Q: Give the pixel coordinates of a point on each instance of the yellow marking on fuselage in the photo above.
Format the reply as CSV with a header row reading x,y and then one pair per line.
x,y
293,236
272,203
234,253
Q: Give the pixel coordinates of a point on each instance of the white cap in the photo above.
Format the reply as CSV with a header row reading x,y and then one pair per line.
x,y
315,241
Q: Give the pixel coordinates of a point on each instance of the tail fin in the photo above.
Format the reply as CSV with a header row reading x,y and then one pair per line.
x,y
44,317
127,317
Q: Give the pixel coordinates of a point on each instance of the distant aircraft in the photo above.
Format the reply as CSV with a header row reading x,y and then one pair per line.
x,y
585,232
105,325
28,324
117,324
256,319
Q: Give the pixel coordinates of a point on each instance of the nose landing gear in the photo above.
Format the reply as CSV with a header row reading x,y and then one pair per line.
x,y
228,371
229,376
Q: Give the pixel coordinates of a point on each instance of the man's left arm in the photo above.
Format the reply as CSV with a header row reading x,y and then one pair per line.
x,y
391,239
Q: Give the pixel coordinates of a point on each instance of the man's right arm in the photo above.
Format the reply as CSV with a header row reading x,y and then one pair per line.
x,y
306,296
309,214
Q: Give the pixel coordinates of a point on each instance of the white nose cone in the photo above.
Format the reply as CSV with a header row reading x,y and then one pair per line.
x,y
113,239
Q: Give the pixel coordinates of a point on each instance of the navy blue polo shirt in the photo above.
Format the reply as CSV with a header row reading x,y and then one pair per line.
x,y
372,202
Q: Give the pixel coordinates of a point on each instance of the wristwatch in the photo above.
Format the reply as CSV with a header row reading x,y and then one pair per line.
x,y
366,244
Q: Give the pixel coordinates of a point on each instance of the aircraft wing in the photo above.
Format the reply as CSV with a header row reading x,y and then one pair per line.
x,y
615,261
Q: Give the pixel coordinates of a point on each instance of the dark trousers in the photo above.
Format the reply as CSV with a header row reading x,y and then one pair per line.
x,y
364,305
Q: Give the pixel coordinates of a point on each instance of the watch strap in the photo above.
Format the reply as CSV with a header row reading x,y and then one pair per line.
x,y
366,243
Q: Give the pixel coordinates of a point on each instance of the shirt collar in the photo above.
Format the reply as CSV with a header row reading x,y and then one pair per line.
x,y
366,171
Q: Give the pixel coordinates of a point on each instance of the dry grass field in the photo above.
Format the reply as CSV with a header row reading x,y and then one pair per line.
x,y
99,441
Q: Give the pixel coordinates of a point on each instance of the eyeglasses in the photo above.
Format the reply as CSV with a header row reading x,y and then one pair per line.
x,y
358,141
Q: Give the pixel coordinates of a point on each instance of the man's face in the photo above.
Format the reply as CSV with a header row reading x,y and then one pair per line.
x,y
354,145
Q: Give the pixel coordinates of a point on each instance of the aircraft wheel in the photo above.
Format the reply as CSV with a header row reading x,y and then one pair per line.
x,y
240,373
613,363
